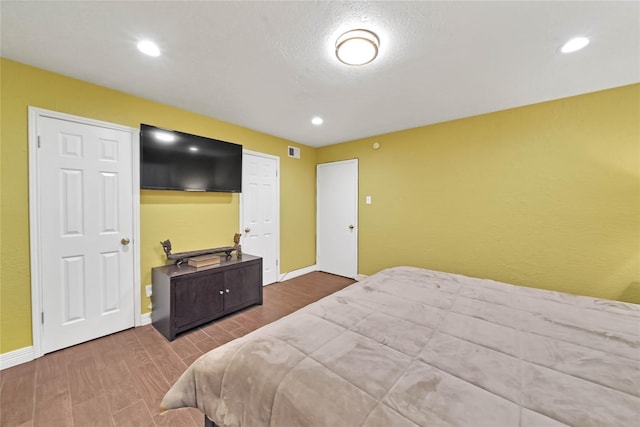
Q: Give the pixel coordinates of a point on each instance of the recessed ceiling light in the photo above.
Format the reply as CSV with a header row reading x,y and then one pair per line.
x,y
574,44
192,148
317,121
149,48
357,47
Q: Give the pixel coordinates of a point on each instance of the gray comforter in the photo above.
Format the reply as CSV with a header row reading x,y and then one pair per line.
x,y
414,347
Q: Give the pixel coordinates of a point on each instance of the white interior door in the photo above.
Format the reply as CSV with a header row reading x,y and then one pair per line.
x,y
337,218
259,211
85,218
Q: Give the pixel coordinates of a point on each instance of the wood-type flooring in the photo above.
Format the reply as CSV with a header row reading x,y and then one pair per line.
x,y
119,380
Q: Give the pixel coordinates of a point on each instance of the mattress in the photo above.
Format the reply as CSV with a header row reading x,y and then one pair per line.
x,y
412,347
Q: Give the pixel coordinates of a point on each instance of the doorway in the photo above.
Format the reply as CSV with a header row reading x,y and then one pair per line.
x,y
84,204
337,218
260,211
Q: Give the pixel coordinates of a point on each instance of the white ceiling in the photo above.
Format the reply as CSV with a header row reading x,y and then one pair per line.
x,y
271,66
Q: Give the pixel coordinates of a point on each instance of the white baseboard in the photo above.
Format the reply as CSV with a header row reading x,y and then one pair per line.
x,y
145,319
16,357
298,272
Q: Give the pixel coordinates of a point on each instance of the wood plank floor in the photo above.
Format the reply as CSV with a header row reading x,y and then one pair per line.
x,y
120,379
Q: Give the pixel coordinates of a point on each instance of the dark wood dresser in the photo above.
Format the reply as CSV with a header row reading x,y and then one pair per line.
x,y
184,297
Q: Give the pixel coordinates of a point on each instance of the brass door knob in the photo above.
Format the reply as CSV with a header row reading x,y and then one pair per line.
x,y
246,230
125,241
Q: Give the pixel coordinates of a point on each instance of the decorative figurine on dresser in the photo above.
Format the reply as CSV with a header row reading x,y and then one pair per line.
x,y
181,256
200,286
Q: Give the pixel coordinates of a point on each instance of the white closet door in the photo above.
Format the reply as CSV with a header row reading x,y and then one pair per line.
x,y
337,218
85,216
260,211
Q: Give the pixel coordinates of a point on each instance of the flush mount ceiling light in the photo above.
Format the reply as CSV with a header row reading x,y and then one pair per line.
x,y
574,44
149,48
357,47
317,121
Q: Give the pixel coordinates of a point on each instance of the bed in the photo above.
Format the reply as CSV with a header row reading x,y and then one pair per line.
x,y
411,347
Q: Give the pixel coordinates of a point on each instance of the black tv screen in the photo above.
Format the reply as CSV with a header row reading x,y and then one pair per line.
x,y
172,160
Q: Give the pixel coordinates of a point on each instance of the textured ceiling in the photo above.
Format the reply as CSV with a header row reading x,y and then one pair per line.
x,y
270,66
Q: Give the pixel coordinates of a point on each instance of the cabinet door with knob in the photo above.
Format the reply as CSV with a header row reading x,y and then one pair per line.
x,y
198,298
242,286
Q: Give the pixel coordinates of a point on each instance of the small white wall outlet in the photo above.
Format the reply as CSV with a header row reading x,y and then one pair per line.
x,y
148,290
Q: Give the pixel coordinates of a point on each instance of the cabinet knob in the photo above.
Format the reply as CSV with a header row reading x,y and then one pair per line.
x,y
351,227
246,230
221,293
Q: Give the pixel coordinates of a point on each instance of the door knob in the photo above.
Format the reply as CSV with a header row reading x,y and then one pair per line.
x,y
351,227
246,230
125,241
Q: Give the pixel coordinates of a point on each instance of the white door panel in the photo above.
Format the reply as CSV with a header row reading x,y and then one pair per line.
x,y
85,200
260,211
337,218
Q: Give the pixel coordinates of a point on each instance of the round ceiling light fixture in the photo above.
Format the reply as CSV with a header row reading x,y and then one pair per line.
x,y
357,47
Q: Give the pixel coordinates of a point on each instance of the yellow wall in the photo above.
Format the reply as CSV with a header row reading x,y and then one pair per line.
x,y
545,195
192,221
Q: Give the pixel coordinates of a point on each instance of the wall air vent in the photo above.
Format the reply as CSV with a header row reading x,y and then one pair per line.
x,y
294,152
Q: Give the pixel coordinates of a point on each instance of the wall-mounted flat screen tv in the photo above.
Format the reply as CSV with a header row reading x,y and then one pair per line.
x,y
172,160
